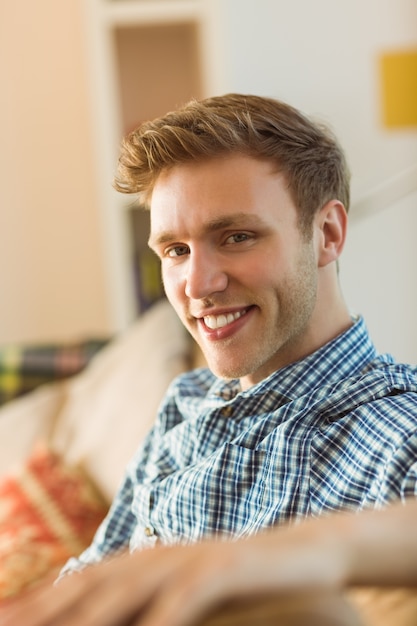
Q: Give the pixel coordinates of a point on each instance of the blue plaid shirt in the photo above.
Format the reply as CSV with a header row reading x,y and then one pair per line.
x,y
337,430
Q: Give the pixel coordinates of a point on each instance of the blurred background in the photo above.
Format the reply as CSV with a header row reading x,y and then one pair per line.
x,y
78,74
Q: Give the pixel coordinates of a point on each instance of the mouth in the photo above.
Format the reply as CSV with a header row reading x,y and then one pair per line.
x,y
215,322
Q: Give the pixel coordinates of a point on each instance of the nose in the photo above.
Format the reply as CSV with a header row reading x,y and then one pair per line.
x,y
205,275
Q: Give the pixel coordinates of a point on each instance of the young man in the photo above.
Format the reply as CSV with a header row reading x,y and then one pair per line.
x,y
298,415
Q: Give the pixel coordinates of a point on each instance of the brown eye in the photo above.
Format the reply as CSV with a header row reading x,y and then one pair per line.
x,y
237,238
177,251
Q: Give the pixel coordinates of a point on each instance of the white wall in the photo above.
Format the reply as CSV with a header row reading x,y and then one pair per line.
x,y
378,273
322,56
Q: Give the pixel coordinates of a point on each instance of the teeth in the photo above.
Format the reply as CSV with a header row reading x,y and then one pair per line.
x,y
218,321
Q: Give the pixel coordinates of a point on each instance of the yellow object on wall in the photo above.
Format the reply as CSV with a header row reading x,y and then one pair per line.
x,y
399,88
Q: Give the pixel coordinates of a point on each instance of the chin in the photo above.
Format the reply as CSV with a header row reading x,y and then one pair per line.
x,y
229,371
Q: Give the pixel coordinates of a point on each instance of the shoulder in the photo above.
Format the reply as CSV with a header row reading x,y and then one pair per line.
x,y
392,384
380,379
378,405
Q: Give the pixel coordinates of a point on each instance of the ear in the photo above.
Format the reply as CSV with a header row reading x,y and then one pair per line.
x,y
332,227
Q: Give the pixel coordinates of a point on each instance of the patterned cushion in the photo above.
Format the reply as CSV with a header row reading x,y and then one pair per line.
x,y
48,512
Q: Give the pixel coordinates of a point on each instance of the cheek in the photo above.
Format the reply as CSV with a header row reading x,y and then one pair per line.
x,y
260,270
173,284
250,263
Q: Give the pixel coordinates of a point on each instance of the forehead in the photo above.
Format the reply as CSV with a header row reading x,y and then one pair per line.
x,y
218,191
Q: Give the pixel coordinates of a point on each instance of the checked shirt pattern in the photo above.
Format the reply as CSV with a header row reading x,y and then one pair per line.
x,y
337,430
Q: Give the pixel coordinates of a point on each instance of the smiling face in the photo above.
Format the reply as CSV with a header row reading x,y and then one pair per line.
x,y
236,267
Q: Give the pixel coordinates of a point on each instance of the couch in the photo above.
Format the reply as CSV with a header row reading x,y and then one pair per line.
x,y
64,445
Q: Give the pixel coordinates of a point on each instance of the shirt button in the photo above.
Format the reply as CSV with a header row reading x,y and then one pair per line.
x,y
149,531
227,411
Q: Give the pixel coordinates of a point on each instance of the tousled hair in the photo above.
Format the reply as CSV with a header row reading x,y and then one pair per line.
x,y
307,153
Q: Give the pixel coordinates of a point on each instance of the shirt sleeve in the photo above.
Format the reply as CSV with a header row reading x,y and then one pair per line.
x,y
115,532
400,477
408,458
113,535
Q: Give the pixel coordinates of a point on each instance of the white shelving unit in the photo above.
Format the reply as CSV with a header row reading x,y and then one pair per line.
x,y
145,58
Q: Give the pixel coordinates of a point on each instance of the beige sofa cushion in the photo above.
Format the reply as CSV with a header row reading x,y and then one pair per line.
x,y
111,406
25,421
98,418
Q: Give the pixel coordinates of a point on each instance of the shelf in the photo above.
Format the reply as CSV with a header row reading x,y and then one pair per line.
x,y
147,12
158,69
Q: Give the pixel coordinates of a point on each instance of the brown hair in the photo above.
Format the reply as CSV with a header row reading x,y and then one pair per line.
x,y
307,153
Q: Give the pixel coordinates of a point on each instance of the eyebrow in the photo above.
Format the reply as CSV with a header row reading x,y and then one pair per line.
x,y
229,221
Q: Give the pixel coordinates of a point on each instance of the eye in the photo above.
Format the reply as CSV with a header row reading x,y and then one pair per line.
x,y
176,251
238,238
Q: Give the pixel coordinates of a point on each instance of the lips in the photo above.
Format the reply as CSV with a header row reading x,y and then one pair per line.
x,y
214,322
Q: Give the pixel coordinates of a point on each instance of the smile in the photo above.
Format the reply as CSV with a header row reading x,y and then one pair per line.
x,y
219,321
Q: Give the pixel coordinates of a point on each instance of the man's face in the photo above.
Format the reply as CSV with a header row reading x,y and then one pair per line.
x,y
235,265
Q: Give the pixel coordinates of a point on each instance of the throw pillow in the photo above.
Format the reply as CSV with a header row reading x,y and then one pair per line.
x,y
48,512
